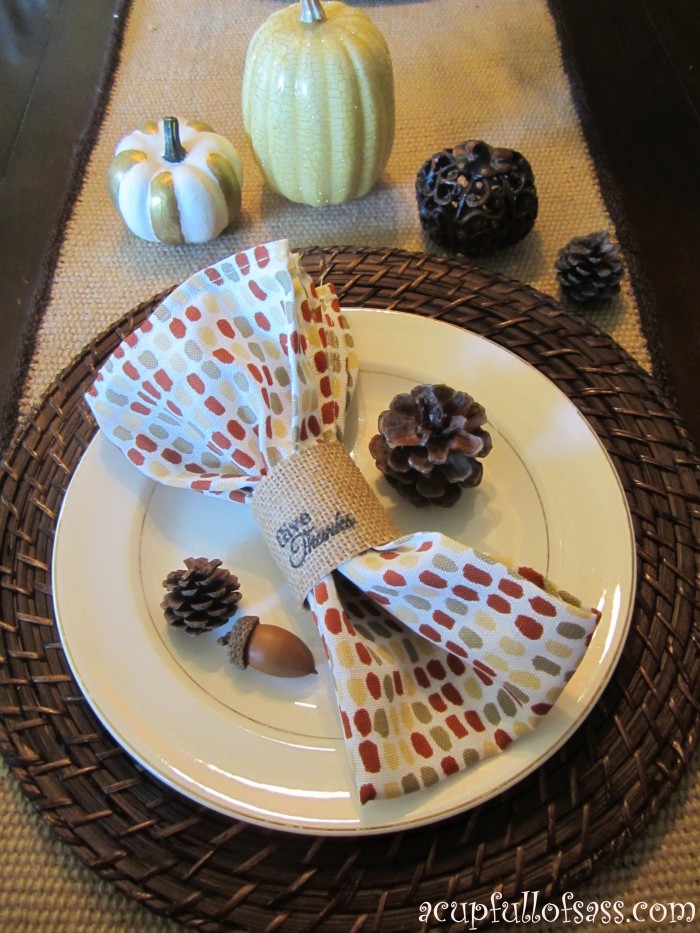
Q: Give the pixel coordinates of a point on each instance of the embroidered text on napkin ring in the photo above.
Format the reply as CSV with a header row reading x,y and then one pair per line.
x,y
316,510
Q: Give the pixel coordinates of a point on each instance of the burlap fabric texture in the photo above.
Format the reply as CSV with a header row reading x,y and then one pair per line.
x,y
491,70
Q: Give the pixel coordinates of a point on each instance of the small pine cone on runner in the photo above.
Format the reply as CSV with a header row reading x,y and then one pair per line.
x,y
428,443
589,267
200,598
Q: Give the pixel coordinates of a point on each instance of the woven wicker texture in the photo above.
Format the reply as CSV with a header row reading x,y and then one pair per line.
x,y
547,834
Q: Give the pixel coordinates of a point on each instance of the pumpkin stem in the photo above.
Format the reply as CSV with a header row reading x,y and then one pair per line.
x,y
174,151
311,12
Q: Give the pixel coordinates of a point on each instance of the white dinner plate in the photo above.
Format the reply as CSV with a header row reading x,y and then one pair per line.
x,y
270,750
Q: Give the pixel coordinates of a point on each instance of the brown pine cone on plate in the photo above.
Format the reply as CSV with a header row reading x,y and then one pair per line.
x,y
428,444
200,598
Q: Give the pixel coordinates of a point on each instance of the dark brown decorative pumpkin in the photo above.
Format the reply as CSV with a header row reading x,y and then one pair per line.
x,y
475,198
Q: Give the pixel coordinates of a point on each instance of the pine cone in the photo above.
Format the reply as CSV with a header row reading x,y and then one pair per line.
x,y
200,598
589,267
427,444
475,198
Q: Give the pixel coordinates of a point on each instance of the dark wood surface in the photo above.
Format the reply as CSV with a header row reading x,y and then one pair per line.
x,y
635,66
54,60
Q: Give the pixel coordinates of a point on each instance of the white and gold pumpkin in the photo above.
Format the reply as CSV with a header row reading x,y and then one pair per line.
x,y
318,102
176,181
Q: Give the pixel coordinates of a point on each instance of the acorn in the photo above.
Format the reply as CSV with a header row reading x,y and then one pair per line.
x,y
268,649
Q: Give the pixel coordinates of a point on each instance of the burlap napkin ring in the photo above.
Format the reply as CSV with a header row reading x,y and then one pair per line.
x,y
316,511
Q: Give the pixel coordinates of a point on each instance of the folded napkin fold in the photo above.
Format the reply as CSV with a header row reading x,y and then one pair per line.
x,y
237,385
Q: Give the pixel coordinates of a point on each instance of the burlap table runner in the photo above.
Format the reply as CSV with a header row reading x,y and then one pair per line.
x,y
490,70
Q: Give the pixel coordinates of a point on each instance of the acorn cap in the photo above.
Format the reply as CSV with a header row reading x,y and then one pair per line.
x,y
237,640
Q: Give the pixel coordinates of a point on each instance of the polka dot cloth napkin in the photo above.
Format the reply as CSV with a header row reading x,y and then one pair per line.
x,y
441,655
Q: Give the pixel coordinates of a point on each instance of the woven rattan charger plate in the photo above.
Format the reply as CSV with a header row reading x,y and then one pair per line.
x,y
551,831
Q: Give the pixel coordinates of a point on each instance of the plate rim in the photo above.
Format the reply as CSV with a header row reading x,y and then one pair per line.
x,y
497,788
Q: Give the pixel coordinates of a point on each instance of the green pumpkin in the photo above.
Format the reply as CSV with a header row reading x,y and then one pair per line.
x,y
318,102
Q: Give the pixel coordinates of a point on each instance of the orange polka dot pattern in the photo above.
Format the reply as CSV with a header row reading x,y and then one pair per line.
x,y
241,365
441,655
